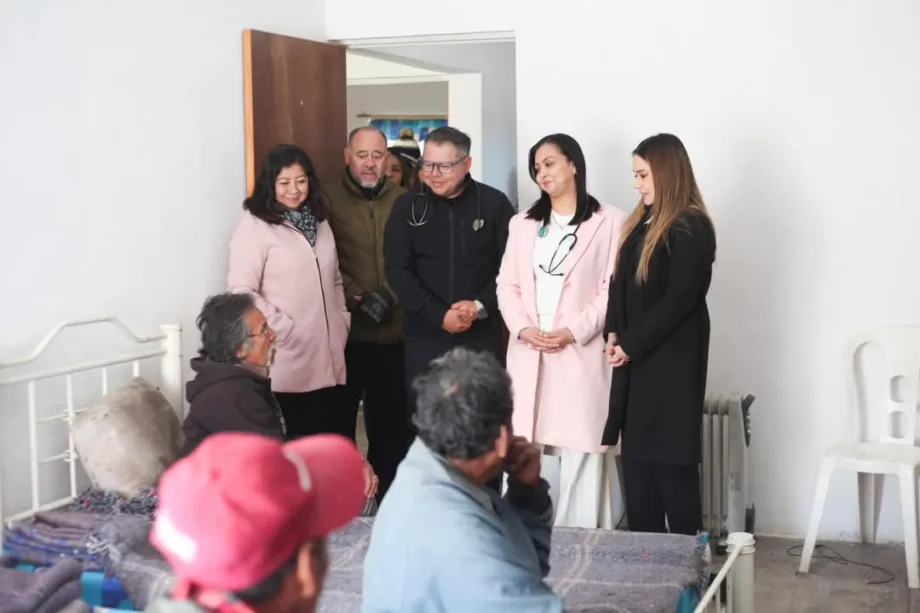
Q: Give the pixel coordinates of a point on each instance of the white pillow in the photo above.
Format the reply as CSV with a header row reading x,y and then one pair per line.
x,y
129,439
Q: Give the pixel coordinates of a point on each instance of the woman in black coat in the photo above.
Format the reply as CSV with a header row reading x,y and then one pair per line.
x,y
658,340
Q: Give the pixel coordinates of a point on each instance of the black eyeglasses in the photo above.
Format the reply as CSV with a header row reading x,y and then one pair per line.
x,y
554,266
446,168
263,330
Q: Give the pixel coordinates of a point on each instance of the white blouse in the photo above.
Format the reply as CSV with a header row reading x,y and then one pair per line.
x,y
549,286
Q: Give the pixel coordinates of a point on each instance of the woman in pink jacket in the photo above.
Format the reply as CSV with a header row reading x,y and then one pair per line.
x,y
283,253
552,293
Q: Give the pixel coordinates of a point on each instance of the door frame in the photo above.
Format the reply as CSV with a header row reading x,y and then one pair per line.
x,y
428,72
433,39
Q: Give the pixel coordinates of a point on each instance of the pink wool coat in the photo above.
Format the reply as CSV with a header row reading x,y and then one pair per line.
x,y
300,291
575,388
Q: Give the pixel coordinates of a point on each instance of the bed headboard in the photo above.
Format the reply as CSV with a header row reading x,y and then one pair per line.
x,y
165,346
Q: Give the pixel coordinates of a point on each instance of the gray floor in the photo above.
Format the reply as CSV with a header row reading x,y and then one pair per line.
x,y
829,587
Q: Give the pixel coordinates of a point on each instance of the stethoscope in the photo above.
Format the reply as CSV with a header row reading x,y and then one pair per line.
x,y
415,222
553,268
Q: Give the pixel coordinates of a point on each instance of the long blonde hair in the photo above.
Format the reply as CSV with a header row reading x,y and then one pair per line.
x,y
676,191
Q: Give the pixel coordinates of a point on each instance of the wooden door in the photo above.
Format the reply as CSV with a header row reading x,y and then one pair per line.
x,y
294,93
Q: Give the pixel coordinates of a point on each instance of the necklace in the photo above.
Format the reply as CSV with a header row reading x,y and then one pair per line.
x,y
556,222
543,231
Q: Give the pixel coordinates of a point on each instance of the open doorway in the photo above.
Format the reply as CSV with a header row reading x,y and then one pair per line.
x,y
471,84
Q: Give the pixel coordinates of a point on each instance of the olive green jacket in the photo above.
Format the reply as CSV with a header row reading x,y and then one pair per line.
x,y
358,219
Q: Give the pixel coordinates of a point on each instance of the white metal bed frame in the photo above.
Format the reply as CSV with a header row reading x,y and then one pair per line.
x,y
737,575
167,345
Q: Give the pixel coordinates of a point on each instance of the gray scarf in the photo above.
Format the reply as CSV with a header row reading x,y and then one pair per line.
x,y
304,220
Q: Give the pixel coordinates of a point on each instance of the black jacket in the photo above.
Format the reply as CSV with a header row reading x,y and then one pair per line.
x,y
228,398
656,400
445,260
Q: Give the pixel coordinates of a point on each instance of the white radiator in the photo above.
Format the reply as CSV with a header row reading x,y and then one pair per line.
x,y
724,470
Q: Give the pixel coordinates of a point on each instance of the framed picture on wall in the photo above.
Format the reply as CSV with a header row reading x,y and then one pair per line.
x,y
421,125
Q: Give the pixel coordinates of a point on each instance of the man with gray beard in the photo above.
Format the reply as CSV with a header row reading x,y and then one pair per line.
x,y
359,206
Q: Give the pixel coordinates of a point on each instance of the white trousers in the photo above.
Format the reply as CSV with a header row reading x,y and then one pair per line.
x,y
583,487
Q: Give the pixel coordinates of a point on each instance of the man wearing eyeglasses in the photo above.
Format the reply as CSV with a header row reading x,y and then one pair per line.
x,y
443,247
231,391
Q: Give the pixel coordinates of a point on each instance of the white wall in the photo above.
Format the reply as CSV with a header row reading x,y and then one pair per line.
x,y
802,122
122,161
402,99
362,67
464,101
369,19
495,62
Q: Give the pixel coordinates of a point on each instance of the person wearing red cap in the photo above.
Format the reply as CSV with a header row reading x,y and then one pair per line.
x,y
243,521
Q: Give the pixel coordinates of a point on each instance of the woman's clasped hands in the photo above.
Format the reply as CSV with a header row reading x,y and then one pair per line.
x,y
616,357
547,342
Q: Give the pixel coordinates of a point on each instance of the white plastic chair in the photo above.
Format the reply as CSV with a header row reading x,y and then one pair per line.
x,y
894,453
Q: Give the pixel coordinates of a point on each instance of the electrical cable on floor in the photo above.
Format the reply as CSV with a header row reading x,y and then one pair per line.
x,y
836,558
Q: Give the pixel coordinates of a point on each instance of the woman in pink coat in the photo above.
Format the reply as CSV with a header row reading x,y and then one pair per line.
x,y
283,253
552,293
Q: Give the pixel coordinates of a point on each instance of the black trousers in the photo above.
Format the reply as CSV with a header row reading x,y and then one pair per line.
x,y
316,412
655,492
376,374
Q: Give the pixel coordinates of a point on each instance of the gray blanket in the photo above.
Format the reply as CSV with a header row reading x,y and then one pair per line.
x,y
347,548
593,570
52,535
77,606
142,571
625,572
43,591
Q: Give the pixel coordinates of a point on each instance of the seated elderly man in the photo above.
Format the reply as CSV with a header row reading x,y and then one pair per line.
x,y
231,390
442,540
243,521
